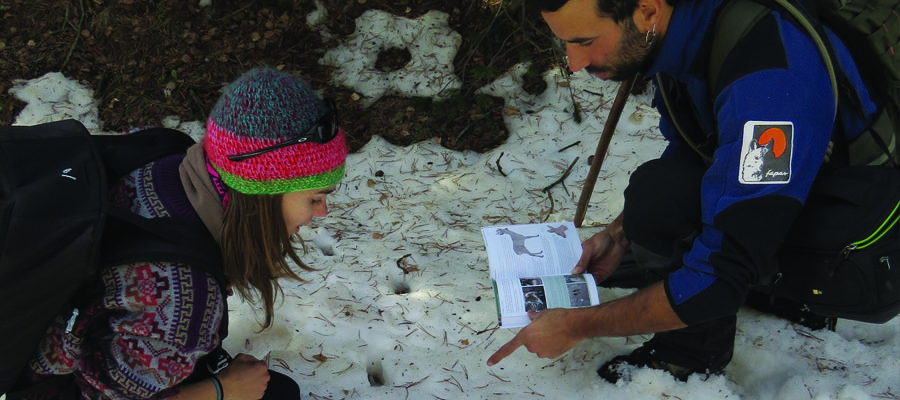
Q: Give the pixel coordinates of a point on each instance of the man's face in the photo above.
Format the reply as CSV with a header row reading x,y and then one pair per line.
x,y
597,44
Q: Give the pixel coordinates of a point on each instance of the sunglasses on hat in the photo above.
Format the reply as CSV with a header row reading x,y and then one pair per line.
x,y
323,131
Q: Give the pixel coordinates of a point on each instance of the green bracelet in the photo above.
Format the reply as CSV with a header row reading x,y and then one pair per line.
x,y
218,385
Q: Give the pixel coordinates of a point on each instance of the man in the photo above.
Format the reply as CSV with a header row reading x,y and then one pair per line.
x,y
711,227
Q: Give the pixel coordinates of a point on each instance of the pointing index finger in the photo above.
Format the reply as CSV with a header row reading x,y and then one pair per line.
x,y
505,350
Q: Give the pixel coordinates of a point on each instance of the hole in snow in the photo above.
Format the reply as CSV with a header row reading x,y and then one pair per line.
x,y
533,80
326,249
324,242
375,373
392,59
400,287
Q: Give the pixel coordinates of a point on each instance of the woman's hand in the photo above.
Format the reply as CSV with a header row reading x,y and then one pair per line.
x,y
246,378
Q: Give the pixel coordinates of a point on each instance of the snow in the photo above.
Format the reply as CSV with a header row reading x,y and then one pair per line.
x,y
402,306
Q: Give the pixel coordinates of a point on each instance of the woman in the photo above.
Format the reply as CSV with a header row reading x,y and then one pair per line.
x,y
271,155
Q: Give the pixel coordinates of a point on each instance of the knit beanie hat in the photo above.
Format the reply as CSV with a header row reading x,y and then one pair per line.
x,y
263,108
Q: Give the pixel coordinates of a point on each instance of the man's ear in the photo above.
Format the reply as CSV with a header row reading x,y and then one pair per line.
x,y
648,13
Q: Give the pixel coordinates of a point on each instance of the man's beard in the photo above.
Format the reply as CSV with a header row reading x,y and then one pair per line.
x,y
629,58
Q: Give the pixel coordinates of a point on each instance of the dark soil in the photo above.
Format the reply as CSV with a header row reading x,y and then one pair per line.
x,y
130,51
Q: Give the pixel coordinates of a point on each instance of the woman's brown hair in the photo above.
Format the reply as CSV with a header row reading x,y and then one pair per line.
x,y
256,246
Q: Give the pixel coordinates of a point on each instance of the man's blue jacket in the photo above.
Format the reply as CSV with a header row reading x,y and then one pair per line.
x,y
774,119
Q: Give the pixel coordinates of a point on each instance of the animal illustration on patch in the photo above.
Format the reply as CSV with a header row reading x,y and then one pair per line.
x,y
766,152
559,230
518,242
752,164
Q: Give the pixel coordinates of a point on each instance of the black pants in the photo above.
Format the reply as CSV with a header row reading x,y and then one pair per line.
x,y
280,387
662,216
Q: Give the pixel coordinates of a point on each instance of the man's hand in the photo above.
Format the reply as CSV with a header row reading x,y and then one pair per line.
x,y
602,252
550,334
554,331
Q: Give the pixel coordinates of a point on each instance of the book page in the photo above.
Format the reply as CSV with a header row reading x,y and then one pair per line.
x,y
517,296
531,249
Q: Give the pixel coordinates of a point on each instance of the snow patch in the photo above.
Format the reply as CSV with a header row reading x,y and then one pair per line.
x,y
429,73
53,97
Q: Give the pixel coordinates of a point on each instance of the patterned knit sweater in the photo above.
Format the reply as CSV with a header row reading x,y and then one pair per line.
x,y
143,326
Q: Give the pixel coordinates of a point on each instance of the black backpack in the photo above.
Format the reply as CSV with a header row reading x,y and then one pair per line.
x,y
870,29
57,226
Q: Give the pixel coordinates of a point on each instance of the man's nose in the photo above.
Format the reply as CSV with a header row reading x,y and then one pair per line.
x,y
578,58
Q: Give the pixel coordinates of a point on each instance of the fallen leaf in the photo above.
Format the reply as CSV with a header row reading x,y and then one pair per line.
x,y
410,269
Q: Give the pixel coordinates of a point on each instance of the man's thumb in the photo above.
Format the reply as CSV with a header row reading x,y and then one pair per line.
x,y
579,268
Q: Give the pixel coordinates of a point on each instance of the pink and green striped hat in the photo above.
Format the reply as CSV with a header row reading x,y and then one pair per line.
x,y
263,108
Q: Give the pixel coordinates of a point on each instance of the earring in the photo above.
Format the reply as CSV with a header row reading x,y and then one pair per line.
x,y
651,36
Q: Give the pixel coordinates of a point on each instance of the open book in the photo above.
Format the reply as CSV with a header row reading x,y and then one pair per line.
x,y
530,267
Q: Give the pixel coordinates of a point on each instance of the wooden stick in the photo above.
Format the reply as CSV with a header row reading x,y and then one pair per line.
x,y
602,146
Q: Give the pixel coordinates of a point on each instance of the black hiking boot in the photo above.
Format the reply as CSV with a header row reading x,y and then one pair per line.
x,y
815,321
644,356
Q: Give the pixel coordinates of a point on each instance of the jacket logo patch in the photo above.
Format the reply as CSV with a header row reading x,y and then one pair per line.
x,y
766,152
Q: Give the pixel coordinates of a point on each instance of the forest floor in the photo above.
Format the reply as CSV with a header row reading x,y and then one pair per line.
x,y
150,59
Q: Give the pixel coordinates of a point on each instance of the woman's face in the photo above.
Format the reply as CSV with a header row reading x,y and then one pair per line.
x,y
299,208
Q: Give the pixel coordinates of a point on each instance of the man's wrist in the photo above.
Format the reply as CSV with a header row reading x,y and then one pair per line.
x,y
579,322
616,232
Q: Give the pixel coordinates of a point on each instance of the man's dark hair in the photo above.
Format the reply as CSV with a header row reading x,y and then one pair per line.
x,y
618,10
